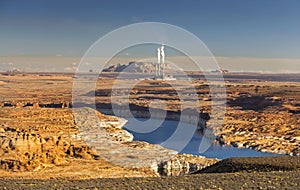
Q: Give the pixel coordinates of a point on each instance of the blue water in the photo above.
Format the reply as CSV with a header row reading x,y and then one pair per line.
x,y
161,135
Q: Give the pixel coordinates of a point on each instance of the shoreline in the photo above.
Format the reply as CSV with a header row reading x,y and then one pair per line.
x,y
176,116
161,160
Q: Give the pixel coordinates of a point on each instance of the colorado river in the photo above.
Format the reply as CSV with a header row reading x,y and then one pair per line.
x,y
168,127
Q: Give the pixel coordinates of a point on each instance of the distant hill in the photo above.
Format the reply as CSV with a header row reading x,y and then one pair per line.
x,y
14,70
135,67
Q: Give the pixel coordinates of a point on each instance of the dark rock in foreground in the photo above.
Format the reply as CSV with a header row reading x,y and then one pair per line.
x,y
254,164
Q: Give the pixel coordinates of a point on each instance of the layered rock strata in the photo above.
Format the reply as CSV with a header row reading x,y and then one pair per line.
x,y
32,139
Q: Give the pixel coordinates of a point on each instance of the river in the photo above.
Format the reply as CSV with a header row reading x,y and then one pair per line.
x,y
161,134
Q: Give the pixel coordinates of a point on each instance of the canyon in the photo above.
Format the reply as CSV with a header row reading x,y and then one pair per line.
x,y
40,132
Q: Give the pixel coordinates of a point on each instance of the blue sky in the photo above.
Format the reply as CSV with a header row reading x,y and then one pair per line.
x,y
231,28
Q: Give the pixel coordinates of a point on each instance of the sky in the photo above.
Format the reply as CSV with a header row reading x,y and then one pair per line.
x,y
256,29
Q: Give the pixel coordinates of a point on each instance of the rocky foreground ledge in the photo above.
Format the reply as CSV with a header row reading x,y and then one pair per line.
x,y
37,142
234,173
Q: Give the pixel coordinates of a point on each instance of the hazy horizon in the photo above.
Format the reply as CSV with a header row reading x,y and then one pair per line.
x,y
69,64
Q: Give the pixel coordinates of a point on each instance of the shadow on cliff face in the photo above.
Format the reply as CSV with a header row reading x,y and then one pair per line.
x,y
256,103
143,111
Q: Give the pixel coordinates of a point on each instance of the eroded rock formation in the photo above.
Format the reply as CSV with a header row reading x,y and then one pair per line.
x,y
31,140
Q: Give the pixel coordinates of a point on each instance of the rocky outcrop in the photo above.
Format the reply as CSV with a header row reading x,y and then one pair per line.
x,y
274,132
21,150
182,164
20,104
